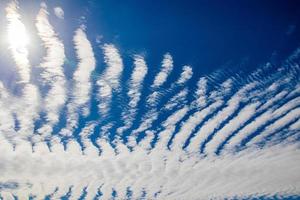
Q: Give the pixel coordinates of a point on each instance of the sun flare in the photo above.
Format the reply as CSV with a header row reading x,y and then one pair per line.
x,y
17,35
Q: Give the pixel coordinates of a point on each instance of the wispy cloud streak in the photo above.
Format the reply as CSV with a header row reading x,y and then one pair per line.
x,y
214,122
135,85
167,67
260,121
185,75
52,74
153,98
109,80
81,92
18,40
7,123
27,107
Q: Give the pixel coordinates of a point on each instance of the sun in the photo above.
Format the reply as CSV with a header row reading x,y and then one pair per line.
x,y
17,35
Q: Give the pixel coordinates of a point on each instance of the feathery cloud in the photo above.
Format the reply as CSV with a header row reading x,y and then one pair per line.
x,y
52,75
82,85
109,80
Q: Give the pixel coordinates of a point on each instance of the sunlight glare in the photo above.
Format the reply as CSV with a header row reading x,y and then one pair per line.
x,y
18,38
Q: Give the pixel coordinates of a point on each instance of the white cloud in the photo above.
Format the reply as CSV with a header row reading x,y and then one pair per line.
x,y
59,12
135,85
167,67
177,99
214,122
27,110
109,80
153,99
262,104
295,125
137,78
261,120
190,124
85,134
242,117
26,107
169,127
200,94
147,121
52,75
18,41
185,75
275,99
242,174
277,125
7,123
82,85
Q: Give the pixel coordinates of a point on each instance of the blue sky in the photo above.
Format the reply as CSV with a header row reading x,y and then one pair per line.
x,y
149,100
